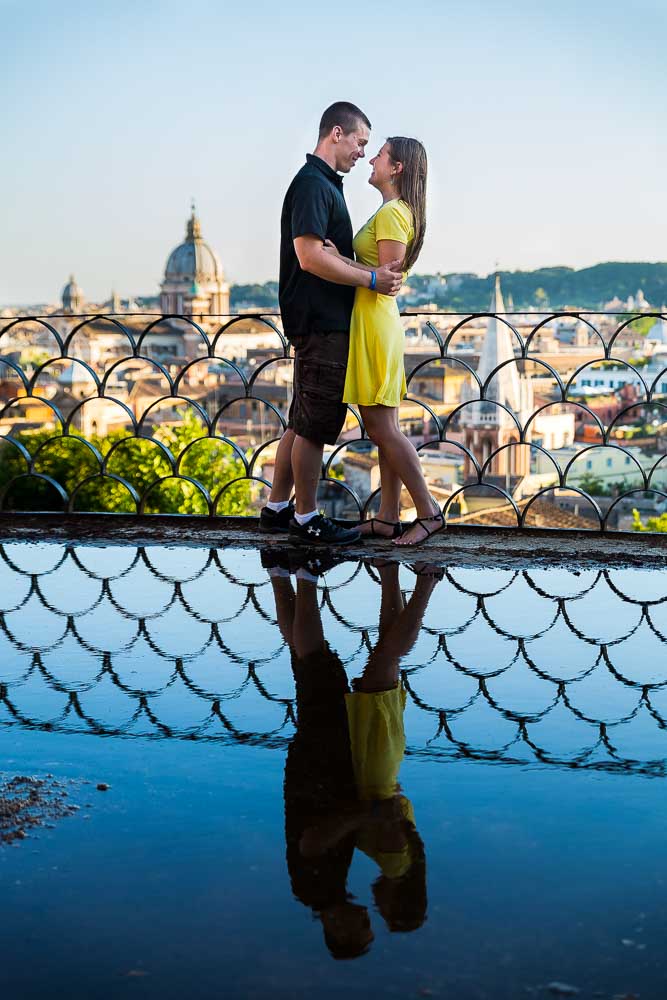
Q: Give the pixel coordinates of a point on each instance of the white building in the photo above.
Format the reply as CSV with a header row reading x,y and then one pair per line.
x,y
610,465
601,381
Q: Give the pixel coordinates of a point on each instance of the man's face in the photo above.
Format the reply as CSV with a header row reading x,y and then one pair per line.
x,y
350,148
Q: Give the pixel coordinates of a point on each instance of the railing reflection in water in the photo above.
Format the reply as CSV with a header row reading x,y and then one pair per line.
x,y
536,666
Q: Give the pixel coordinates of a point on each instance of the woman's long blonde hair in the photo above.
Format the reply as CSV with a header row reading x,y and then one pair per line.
x,y
412,188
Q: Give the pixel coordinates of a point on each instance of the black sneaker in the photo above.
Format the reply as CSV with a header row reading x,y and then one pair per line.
x,y
320,530
315,563
275,523
275,557
279,556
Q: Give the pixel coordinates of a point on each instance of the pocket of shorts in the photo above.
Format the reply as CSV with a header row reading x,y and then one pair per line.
x,y
322,381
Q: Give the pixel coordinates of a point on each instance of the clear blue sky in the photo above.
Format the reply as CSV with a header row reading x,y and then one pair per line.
x,y
544,123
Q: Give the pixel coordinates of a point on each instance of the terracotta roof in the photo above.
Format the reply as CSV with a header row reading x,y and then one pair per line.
x,y
362,459
542,514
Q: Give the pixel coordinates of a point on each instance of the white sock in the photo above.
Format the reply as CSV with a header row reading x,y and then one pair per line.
x,y
278,571
277,507
303,574
305,518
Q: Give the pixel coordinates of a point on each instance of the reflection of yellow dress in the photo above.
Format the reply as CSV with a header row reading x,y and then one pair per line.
x,y
375,369
377,739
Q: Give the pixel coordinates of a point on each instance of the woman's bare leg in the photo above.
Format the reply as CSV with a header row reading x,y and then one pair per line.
x,y
391,602
382,428
390,482
382,669
390,485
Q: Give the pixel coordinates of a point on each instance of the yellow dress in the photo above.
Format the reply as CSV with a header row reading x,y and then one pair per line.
x,y
375,368
377,740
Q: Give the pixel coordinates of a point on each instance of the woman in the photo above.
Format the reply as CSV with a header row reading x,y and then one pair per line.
x,y
380,820
387,833
375,374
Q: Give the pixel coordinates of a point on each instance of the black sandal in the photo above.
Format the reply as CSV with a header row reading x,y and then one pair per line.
x,y
421,521
395,525
427,569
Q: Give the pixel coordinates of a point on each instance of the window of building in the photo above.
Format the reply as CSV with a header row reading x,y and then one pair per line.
x,y
609,463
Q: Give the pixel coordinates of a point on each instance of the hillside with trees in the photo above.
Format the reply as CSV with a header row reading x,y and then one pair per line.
x,y
264,297
545,288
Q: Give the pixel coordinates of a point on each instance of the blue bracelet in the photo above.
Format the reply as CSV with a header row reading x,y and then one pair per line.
x,y
374,279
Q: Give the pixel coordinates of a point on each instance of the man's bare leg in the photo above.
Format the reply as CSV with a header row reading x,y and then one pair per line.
x,y
285,598
307,470
283,477
307,632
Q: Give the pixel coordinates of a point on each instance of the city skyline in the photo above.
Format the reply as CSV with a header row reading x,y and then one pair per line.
x,y
542,140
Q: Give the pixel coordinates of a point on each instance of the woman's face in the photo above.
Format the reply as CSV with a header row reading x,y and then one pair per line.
x,y
383,168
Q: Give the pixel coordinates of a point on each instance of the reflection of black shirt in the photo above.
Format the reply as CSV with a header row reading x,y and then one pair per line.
x,y
319,777
314,206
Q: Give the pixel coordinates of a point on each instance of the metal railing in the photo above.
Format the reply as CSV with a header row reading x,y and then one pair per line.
x,y
538,666
160,414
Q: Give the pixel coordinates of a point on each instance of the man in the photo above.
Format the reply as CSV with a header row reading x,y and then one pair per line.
x,y
316,293
319,776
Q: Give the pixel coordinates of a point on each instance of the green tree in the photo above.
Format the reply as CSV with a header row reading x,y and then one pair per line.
x,y
260,296
592,485
652,523
641,326
141,462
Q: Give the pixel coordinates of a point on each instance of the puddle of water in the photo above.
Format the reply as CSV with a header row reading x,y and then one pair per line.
x,y
333,778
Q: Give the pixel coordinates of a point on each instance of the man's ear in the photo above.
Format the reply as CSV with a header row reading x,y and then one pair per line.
x,y
337,133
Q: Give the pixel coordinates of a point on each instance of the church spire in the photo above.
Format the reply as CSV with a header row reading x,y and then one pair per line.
x,y
506,385
497,302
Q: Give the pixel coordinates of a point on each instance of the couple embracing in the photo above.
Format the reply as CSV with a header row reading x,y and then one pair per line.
x,y
338,303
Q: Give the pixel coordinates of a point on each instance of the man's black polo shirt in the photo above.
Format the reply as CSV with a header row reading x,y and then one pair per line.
x,y
314,206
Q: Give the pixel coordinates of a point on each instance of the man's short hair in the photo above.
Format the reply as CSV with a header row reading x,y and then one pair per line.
x,y
342,113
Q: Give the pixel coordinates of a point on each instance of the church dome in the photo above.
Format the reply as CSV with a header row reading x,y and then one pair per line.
x,y
72,297
194,261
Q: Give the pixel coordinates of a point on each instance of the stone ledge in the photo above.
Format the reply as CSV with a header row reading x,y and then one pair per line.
x,y
475,546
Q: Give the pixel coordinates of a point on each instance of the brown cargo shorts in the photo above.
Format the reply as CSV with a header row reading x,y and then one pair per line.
x,y
317,411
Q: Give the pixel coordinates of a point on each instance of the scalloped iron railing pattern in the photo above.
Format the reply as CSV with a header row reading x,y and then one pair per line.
x,y
539,666
149,375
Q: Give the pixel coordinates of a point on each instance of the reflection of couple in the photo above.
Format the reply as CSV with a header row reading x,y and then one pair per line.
x,y
341,773
337,300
